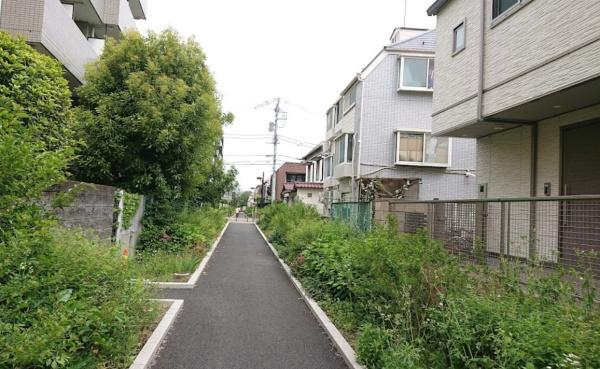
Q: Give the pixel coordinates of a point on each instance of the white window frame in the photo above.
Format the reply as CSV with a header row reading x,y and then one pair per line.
x,y
345,108
456,50
420,163
328,167
332,115
345,153
401,86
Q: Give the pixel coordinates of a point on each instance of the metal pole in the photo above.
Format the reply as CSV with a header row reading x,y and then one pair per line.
x,y
262,191
275,142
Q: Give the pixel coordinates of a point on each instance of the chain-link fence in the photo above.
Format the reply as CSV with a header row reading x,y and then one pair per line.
x,y
354,214
559,231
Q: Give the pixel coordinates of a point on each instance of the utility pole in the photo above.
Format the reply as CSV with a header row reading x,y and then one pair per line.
x,y
275,142
273,127
262,191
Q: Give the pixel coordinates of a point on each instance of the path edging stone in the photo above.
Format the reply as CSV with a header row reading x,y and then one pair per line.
x,y
191,283
340,342
144,358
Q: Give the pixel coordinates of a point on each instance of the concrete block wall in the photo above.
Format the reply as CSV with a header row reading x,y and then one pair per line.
x,y
92,208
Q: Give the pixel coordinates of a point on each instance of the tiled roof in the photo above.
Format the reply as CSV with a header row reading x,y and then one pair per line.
x,y
424,42
309,185
291,186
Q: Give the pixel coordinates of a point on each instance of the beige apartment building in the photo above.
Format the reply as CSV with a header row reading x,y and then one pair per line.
x,y
72,31
523,78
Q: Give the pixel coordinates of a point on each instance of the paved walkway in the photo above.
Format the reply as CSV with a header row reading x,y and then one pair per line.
x,y
245,314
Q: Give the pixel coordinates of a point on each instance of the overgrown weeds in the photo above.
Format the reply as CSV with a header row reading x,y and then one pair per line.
x,y
406,303
176,244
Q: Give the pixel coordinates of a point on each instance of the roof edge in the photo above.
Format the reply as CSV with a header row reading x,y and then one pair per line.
x,y
435,8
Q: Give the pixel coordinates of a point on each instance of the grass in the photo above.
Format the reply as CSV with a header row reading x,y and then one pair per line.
x,y
164,266
178,246
404,302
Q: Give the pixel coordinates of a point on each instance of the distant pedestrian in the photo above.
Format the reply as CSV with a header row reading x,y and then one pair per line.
x,y
237,213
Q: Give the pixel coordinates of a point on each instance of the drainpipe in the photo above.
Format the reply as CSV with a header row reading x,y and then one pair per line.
x,y
355,194
480,86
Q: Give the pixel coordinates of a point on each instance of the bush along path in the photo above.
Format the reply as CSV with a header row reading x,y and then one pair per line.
x,y
245,313
404,302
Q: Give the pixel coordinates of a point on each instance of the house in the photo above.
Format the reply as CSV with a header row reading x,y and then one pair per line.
x,y
288,173
72,31
523,78
308,193
378,133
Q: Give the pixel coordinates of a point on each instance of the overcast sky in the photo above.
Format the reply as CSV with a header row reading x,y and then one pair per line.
x,y
305,52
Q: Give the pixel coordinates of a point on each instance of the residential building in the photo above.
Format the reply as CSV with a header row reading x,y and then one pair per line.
x,y
522,77
378,133
311,191
72,31
306,192
288,173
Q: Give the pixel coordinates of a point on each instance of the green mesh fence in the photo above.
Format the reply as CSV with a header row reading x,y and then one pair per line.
x,y
354,214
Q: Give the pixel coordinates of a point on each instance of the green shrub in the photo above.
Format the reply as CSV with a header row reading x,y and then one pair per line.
x,y
71,304
34,82
406,303
184,230
178,244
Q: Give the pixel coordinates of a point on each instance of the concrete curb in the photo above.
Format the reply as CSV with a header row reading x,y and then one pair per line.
x,y
191,283
144,359
334,334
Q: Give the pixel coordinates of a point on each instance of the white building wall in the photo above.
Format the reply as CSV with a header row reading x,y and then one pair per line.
x,y
302,195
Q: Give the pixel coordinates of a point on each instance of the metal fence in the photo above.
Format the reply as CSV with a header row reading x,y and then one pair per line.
x,y
354,214
557,231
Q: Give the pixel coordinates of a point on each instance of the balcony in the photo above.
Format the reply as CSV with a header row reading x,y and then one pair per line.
x,y
118,17
50,29
139,8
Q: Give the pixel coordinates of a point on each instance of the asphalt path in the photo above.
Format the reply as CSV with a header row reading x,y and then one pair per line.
x,y
244,313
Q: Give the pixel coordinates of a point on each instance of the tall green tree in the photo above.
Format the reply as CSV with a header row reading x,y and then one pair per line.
x,y
216,184
149,115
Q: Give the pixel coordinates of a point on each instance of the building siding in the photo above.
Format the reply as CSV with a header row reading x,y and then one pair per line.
x,y
527,42
456,74
386,110
504,163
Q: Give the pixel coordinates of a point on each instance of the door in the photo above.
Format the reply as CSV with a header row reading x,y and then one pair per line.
x,y
579,229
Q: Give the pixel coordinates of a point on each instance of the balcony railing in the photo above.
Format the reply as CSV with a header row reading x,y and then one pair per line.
x,y
552,231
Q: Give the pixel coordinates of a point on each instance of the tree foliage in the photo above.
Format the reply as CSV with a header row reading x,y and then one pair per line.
x,y
150,116
34,83
218,182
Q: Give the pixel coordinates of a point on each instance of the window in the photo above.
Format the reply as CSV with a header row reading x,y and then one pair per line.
x,y
416,74
290,178
340,149
349,99
343,148
459,38
328,169
419,148
501,6
332,117
350,148
309,195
